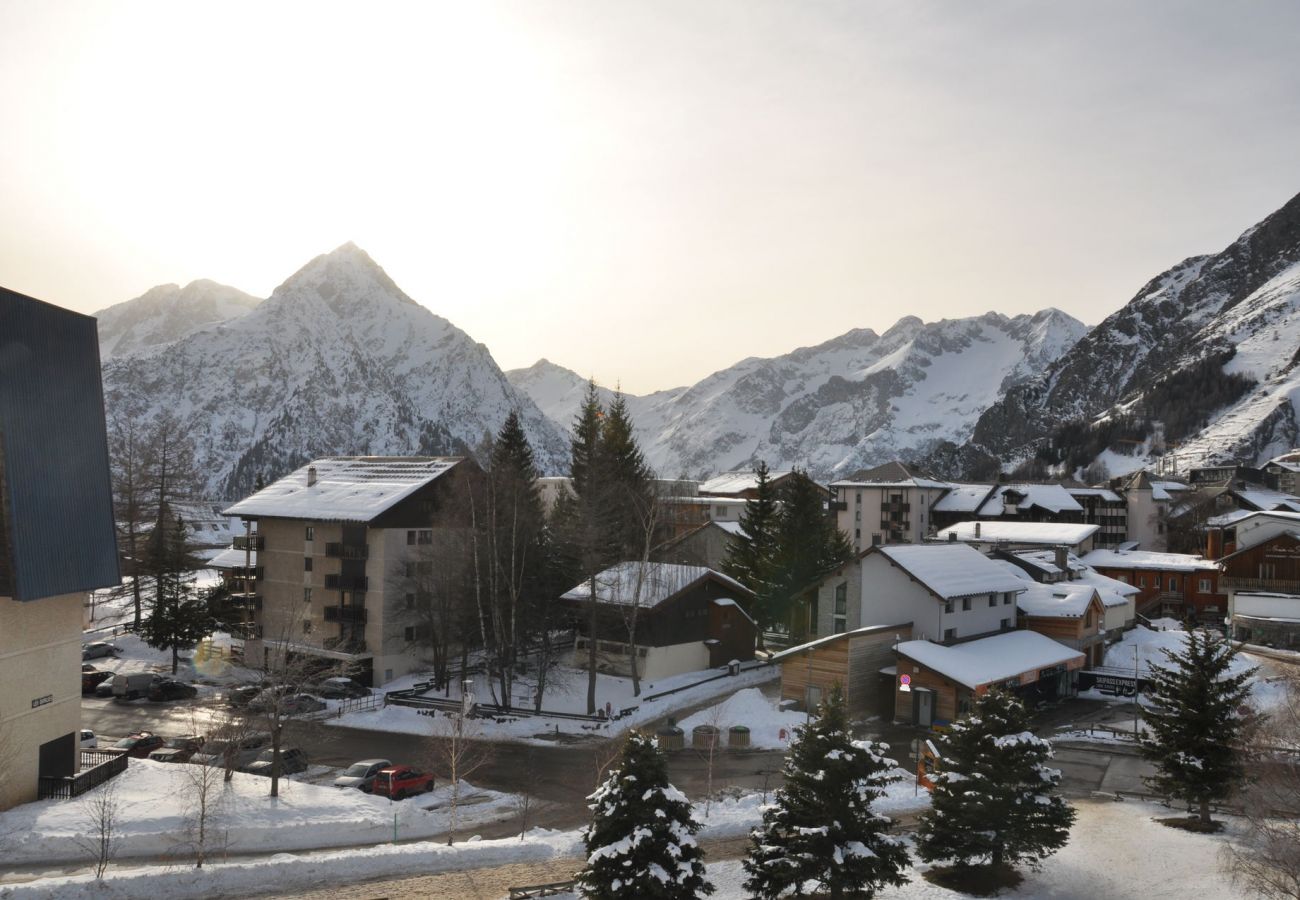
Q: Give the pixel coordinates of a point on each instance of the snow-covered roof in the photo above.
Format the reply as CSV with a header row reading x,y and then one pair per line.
x,y
658,582
839,636
1113,591
992,659
1046,561
1264,499
1104,493
1068,533
727,601
1066,600
732,528
232,558
736,482
1051,497
951,570
347,488
891,474
963,498
1148,559
1229,518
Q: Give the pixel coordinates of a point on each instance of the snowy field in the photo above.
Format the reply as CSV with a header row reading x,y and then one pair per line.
x,y
568,693
1116,851
154,800
757,712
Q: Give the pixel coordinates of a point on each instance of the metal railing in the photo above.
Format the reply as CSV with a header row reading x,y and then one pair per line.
x,y
354,614
541,890
342,582
339,550
102,767
249,542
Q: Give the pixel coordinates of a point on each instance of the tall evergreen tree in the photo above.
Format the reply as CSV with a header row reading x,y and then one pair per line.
x,y
749,557
181,616
809,546
631,476
1196,719
820,827
993,799
641,840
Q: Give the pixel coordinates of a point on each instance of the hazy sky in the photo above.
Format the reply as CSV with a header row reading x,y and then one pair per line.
x,y
645,191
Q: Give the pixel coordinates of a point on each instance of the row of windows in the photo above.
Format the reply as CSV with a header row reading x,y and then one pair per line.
x,y
951,605
421,537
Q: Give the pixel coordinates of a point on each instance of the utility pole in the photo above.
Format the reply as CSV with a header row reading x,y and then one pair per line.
x,y
1135,693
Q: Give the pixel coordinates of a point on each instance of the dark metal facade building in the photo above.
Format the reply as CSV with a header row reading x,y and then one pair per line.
x,y
56,503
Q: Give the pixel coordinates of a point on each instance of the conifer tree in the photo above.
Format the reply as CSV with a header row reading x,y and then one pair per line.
x,y
631,478
993,800
181,616
809,546
820,827
641,840
749,554
1196,720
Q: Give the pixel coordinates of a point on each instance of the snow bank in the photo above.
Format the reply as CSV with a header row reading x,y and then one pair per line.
x,y
759,713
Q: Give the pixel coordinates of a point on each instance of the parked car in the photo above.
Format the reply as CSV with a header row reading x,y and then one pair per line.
x,y
138,745
134,685
292,761
301,704
242,696
87,740
268,696
339,688
361,775
245,750
93,679
170,689
98,650
399,782
104,689
178,749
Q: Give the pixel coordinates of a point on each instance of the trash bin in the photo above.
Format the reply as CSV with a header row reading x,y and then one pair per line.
x,y
737,737
703,737
671,738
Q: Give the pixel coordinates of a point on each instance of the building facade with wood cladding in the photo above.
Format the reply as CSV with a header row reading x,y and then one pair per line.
x,y
859,661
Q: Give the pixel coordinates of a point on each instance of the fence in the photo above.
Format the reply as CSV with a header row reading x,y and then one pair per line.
x,y
542,890
103,766
351,705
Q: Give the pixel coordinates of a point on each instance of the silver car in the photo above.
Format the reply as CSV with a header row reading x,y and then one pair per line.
x,y
361,775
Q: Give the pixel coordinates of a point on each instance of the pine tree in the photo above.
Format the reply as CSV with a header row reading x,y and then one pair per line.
x,y
641,840
993,797
809,546
632,479
749,554
820,827
181,616
1196,720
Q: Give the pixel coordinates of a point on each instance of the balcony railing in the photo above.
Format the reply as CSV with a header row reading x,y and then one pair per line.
x,y
347,551
1231,582
97,767
250,542
895,506
353,614
894,525
239,573
246,631
347,582
245,601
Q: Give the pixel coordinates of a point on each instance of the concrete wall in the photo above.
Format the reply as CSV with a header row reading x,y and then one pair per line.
x,y
40,656
1268,607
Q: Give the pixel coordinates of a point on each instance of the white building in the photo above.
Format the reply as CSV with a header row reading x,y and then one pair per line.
x,y
1076,537
889,504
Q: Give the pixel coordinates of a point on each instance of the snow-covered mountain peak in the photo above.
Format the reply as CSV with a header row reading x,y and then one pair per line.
x,y
168,313
347,280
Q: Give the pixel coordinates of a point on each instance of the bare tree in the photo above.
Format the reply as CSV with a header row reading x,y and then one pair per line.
x,y
457,752
101,808
1266,859
130,493
204,794
606,754
713,718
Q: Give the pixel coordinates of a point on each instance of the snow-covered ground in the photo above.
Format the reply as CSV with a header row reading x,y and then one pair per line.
x,y
567,693
154,798
770,728
1116,852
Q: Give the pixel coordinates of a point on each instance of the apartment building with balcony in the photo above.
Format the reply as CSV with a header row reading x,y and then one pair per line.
x,y
344,551
57,537
889,504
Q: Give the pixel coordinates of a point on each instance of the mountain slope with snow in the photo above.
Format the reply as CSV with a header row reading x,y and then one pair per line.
x,y
1165,358
337,361
168,313
853,401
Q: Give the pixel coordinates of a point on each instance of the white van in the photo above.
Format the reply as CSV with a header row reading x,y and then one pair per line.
x,y
132,686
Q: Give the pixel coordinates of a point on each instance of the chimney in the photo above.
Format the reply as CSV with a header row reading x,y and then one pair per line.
x,y
1062,560
977,530
311,476
952,537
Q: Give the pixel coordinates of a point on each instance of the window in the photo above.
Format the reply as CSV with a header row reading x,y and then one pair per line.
x,y
841,598
965,604
306,595
950,634
410,601
947,606
993,599
1006,598
306,563
311,533
720,512
424,537
1142,581
1205,586
857,534
1173,583
859,497
857,515
1267,571
410,539
875,540
409,633
1123,579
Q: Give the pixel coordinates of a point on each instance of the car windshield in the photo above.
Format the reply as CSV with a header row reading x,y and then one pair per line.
x,y
127,743
178,743
357,770
382,778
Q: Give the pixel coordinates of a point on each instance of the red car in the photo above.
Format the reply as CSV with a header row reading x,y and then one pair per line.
x,y
398,782
139,745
